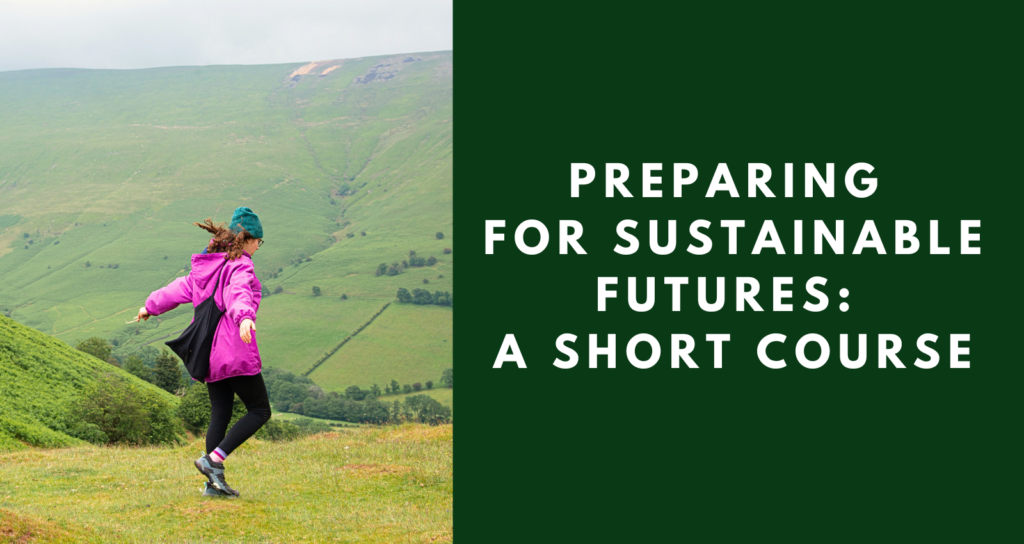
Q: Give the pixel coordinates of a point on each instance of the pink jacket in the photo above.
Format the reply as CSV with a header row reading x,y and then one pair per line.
x,y
238,294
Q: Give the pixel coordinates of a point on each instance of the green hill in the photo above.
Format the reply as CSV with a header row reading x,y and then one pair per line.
x,y
39,378
347,162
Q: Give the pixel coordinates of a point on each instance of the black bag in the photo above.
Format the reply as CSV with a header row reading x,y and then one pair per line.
x,y
195,342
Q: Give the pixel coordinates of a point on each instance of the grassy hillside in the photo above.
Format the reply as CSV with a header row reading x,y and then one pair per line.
x,y
102,172
391,484
39,378
406,343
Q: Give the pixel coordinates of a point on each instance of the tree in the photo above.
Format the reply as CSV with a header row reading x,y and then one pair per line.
x,y
394,386
278,289
375,390
387,389
97,347
316,291
441,298
137,367
429,384
407,388
431,260
166,375
439,236
425,280
404,296
87,263
446,377
344,296
355,393
422,296
417,386
382,269
264,290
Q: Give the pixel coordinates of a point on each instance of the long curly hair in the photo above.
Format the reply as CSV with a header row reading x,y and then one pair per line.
x,y
224,240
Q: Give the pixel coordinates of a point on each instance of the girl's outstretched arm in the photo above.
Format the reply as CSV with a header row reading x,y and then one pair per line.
x,y
168,298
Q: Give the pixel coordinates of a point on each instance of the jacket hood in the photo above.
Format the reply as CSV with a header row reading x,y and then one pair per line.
x,y
206,267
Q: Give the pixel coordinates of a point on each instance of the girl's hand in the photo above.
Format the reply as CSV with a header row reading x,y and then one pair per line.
x,y
143,314
244,329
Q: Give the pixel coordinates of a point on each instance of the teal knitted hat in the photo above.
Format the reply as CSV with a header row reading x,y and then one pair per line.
x,y
245,218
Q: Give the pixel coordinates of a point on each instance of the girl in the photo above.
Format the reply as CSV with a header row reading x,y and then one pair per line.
x,y
225,266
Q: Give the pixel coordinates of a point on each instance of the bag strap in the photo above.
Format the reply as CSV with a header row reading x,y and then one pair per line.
x,y
214,293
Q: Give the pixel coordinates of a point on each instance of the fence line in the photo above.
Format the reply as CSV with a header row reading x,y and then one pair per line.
x,y
327,354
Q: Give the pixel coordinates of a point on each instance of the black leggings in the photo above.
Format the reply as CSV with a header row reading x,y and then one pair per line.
x,y
253,393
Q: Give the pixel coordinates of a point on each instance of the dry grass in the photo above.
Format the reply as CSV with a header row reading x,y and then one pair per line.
x,y
390,484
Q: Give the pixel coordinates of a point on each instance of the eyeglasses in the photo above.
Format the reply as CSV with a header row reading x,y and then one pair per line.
x,y
259,243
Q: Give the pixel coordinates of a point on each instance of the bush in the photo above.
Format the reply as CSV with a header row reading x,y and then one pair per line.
x,y
97,347
276,430
344,296
194,409
362,233
417,386
113,411
382,269
316,291
439,235
431,261
446,377
278,289
311,426
349,235
407,388
425,280
447,250
429,384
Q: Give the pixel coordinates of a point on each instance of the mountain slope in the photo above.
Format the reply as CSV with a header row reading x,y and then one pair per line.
x,y
39,378
103,171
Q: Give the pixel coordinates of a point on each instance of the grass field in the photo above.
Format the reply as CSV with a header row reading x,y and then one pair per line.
x,y
286,416
438,393
102,172
391,484
407,343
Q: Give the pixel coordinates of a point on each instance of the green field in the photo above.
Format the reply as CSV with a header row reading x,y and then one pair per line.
x,y
374,485
406,343
286,416
438,393
102,172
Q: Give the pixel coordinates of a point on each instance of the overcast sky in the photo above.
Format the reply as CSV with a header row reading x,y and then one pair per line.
x,y
150,33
